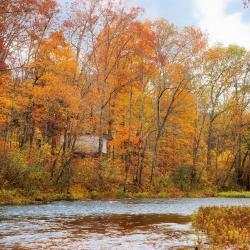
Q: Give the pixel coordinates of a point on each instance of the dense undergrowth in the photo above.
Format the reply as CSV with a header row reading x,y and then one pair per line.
x,y
30,177
19,197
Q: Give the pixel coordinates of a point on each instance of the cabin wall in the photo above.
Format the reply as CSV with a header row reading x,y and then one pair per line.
x,y
88,144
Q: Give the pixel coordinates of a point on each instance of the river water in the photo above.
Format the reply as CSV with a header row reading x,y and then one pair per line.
x,y
126,224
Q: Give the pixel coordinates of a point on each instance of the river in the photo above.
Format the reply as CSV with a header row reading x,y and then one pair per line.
x,y
124,224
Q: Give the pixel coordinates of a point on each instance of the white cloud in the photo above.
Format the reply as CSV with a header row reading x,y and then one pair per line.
x,y
220,26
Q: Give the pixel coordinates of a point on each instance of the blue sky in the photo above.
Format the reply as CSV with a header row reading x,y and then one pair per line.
x,y
225,21
179,12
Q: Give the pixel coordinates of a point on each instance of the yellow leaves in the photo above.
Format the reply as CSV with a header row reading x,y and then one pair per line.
x,y
214,54
176,74
228,54
56,98
56,55
225,226
199,41
64,93
55,95
143,40
6,97
122,136
6,102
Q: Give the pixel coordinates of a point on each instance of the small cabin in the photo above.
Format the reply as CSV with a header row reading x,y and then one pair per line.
x,y
89,144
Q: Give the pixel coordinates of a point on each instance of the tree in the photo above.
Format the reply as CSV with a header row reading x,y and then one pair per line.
x,y
175,57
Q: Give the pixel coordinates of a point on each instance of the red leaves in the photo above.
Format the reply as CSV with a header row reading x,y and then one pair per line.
x,y
47,8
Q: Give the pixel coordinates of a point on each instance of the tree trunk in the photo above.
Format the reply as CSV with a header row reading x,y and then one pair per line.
x,y
128,155
209,146
154,159
100,145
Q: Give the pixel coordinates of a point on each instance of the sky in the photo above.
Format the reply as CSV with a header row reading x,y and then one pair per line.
x,y
225,21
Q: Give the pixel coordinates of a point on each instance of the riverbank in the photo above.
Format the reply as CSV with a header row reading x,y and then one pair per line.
x,y
224,226
234,194
18,197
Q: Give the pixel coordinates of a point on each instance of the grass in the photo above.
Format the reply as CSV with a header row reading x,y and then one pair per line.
x,y
17,196
225,226
12,197
142,195
234,194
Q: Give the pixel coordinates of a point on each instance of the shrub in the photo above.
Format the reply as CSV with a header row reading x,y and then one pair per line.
x,y
162,195
183,179
142,195
164,184
225,226
12,197
20,172
121,194
95,195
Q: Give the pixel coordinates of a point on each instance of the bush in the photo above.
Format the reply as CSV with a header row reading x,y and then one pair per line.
x,y
20,173
121,194
142,195
164,184
162,195
225,226
12,197
95,195
183,178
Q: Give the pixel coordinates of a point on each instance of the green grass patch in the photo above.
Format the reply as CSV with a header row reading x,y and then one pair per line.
x,y
120,194
234,194
162,195
40,197
12,197
142,195
16,197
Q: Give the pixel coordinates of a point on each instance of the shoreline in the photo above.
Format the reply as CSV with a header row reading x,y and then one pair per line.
x,y
15,197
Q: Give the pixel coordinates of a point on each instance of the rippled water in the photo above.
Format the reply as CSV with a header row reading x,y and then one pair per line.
x,y
127,224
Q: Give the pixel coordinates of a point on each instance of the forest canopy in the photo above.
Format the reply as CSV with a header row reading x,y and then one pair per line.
x,y
172,111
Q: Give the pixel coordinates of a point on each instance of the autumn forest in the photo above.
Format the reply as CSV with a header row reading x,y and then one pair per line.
x,y
170,110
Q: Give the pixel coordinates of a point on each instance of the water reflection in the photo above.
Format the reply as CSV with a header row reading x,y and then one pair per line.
x,y
141,224
151,231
